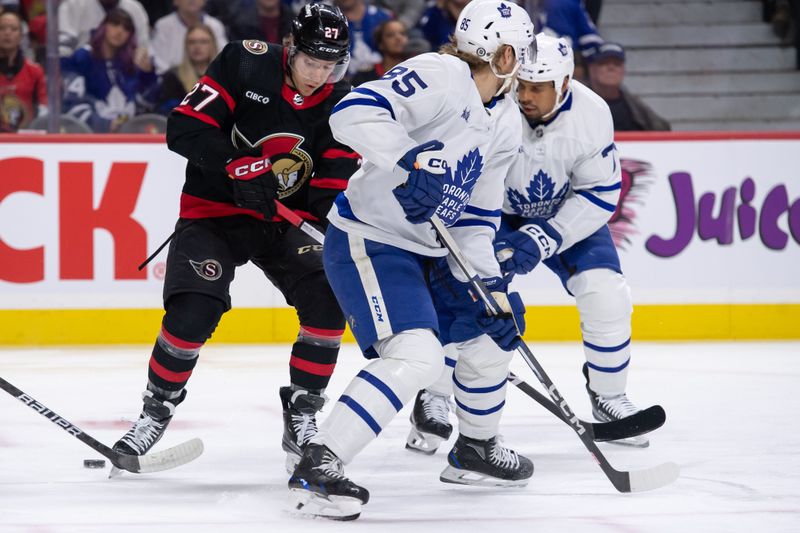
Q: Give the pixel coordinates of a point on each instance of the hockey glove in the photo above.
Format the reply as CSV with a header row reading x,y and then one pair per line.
x,y
505,329
420,195
254,184
520,251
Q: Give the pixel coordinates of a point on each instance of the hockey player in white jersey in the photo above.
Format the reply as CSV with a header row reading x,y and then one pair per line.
x,y
437,134
560,193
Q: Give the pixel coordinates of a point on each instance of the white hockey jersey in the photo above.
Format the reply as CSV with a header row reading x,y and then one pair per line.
x,y
568,170
428,97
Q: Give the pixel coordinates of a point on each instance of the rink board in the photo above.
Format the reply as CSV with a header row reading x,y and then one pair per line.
x,y
709,239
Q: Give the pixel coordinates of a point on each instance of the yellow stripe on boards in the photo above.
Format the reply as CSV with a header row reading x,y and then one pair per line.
x,y
545,323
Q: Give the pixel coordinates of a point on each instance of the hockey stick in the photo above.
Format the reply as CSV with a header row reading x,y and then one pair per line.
x,y
138,464
623,481
632,426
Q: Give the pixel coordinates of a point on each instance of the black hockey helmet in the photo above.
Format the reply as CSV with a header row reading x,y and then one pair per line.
x,y
321,32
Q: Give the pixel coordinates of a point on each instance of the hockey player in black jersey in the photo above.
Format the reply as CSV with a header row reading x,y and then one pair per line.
x,y
254,129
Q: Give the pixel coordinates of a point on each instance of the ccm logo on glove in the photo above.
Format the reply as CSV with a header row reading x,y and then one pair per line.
x,y
247,168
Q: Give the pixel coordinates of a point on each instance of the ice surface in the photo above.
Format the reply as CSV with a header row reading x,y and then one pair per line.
x,y
732,414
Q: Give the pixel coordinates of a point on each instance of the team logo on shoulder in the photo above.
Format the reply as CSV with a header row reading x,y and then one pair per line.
x,y
255,47
210,269
291,164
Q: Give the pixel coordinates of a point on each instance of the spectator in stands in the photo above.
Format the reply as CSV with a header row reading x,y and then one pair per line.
x,y
34,12
200,47
105,84
169,33
593,8
391,38
568,19
265,20
438,22
606,72
78,18
23,92
157,8
409,12
362,19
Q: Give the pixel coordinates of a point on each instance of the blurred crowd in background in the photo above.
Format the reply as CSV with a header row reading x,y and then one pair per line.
x,y
122,60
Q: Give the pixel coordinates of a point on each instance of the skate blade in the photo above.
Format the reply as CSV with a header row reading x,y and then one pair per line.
x,y
306,503
458,476
115,473
631,442
426,443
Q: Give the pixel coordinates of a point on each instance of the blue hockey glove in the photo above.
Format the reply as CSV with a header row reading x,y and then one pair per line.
x,y
420,195
507,328
520,251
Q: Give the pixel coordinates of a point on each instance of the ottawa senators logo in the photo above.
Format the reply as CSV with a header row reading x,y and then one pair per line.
x,y
210,269
255,47
291,164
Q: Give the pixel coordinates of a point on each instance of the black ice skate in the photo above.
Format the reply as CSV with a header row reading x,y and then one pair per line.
x,y
149,428
430,423
608,408
319,487
299,422
487,463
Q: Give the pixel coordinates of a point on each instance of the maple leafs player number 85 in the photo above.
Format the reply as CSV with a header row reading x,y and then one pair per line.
x,y
405,86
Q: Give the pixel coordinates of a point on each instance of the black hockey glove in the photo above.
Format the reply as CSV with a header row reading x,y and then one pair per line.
x,y
254,184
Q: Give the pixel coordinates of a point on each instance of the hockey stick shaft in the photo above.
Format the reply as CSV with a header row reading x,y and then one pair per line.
x,y
294,219
170,458
622,481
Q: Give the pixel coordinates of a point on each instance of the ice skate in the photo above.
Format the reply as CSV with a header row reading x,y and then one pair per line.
x,y
319,487
608,408
486,463
299,422
430,424
149,428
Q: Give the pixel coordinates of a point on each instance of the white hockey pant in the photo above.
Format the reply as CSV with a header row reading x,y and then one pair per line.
x,y
409,361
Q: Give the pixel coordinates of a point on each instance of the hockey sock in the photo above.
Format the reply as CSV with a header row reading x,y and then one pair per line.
x,y
314,357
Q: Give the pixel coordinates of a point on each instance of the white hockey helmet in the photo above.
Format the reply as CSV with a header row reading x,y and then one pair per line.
x,y
486,25
554,62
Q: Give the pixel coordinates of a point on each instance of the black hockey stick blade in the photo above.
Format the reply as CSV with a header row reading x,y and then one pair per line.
x,y
637,424
154,462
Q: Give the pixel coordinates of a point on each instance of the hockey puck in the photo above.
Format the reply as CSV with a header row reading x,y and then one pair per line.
x,y
94,463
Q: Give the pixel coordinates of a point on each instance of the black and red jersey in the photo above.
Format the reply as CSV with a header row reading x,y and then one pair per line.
x,y
241,102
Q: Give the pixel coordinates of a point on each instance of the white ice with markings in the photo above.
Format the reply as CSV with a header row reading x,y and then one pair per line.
x,y
732,426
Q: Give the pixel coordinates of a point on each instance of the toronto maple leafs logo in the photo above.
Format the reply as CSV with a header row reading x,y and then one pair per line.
x,y
563,50
458,186
465,114
540,199
505,11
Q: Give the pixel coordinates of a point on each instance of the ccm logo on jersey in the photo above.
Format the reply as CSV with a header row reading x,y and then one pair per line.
x,y
248,168
257,97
